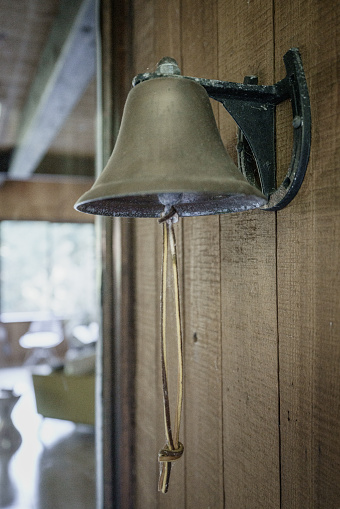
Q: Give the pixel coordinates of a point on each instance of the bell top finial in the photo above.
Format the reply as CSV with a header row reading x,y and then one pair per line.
x,y
168,66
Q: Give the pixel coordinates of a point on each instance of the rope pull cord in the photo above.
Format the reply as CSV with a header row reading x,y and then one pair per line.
x,y
173,448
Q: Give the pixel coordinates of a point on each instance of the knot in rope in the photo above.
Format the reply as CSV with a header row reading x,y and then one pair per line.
x,y
168,454
169,215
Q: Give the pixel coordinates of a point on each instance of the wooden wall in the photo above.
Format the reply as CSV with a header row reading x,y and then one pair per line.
x,y
260,290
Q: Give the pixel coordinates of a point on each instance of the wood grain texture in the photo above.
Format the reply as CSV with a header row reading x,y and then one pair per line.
x,y
248,292
203,380
43,200
156,34
167,38
104,374
167,30
308,272
176,494
143,35
77,135
34,18
250,392
147,302
261,408
66,66
149,420
115,366
147,360
106,479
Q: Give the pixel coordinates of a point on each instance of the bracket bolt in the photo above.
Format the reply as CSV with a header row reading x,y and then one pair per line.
x,y
297,121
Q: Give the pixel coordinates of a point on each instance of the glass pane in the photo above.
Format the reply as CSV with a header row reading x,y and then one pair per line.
x,y
72,271
48,267
24,275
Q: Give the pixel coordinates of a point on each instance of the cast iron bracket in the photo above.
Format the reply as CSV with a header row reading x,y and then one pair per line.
x,y
253,108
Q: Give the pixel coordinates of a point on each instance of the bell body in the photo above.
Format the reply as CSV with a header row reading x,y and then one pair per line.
x,y
169,152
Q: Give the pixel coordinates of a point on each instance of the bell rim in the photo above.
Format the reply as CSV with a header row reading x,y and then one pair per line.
x,y
105,208
144,187
145,203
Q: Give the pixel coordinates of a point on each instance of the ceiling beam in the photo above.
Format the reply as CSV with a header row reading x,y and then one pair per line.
x,y
66,67
43,199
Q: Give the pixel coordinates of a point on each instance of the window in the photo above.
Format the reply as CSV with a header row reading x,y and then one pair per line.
x,y
48,268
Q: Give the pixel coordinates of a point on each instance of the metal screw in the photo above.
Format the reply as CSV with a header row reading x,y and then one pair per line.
x,y
297,121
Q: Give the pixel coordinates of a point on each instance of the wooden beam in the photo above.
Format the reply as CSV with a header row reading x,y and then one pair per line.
x,y
66,68
43,200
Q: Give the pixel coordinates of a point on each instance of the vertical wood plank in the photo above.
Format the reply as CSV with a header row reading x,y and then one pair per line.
x,y
156,32
250,387
203,384
168,43
147,300
248,288
104,374
167,30
203,406
143,35
245,297
116,353
308,271
124,361
147,334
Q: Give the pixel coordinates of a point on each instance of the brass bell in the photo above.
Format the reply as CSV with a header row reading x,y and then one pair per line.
x,y
169,153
